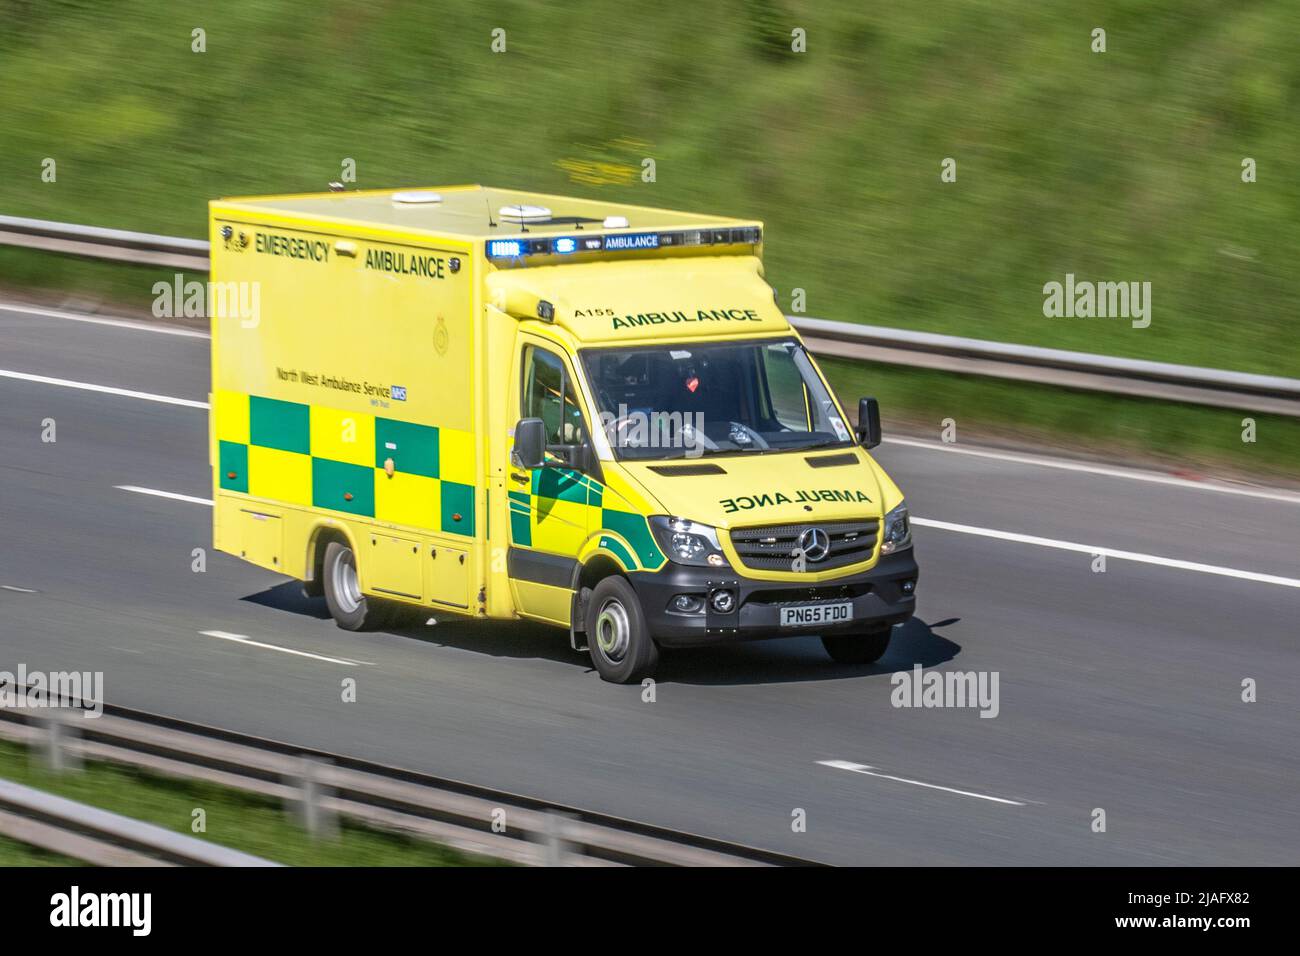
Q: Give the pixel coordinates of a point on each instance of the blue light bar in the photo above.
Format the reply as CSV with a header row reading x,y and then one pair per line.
x,y
505,248
621,242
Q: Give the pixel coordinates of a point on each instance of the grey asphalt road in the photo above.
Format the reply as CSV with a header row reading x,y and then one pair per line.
x,y
1118,690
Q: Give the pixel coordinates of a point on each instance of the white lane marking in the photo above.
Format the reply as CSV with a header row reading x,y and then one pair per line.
x,y
1134,474
165,494
1109,552
103,320
10,587
104,389
873,772
245,639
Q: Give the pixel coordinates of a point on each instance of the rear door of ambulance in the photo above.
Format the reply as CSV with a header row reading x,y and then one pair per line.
x,y
349,401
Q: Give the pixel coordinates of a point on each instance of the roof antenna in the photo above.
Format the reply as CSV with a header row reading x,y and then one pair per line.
x,y
488,203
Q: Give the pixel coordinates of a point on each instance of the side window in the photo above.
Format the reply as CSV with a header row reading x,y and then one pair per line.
x,y
787,396
548,394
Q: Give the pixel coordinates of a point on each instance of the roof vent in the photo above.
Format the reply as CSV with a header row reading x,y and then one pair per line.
x,y
525,213
416,198
615,222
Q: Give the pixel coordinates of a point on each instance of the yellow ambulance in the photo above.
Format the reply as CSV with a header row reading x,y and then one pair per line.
x,y
506,405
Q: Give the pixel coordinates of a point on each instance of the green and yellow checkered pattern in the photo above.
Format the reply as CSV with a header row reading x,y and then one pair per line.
x,y
326,458
562,507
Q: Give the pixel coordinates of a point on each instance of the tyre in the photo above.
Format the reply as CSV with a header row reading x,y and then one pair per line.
x,y
617,635
865,648
351,609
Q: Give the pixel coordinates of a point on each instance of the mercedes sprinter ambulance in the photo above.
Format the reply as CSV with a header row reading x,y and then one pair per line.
x,y
508,405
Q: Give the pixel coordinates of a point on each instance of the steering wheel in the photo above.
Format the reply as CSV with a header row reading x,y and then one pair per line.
x,y
617,429
758,440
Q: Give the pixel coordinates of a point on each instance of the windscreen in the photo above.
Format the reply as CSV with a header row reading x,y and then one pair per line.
x,y
690,400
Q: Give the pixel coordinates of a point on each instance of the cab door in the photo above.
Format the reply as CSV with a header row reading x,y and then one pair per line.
x,y
550,508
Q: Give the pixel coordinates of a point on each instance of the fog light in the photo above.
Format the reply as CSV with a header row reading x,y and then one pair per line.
x,y
723,601
908,586
687,604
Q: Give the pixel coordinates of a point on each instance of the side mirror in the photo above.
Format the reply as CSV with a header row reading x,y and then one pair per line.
x,y
530,443
584,458
868,429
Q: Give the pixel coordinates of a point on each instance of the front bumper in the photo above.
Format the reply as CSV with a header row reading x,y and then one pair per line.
x,y
877,595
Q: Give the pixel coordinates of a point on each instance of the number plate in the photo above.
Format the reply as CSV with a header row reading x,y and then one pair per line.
x,y
810,614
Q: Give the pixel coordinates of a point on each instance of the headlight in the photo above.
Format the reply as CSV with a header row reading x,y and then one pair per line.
x,y
898,531
687,542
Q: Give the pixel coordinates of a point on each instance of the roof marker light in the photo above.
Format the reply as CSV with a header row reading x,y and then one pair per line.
x,y
416,197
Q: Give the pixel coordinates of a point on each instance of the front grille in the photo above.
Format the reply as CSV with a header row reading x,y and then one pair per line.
x,y
789,596
774,547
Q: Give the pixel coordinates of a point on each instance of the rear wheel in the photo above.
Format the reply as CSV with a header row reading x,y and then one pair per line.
x,y
351,609
866,648
617,635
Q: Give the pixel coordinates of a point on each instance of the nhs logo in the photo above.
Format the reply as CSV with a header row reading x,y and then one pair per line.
x,y
397,393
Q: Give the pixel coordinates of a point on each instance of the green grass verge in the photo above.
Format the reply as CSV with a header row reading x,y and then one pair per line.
x,y
118,287
1117,166
13,853
1189,437
235,819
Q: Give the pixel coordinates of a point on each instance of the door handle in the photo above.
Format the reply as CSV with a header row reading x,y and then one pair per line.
x,y
522,478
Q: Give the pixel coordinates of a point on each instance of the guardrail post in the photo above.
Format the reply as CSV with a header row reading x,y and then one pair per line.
x,y
555,845
59,733
309,809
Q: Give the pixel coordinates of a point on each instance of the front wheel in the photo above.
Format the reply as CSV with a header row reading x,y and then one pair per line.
x,y
351,609
617,635
857,648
